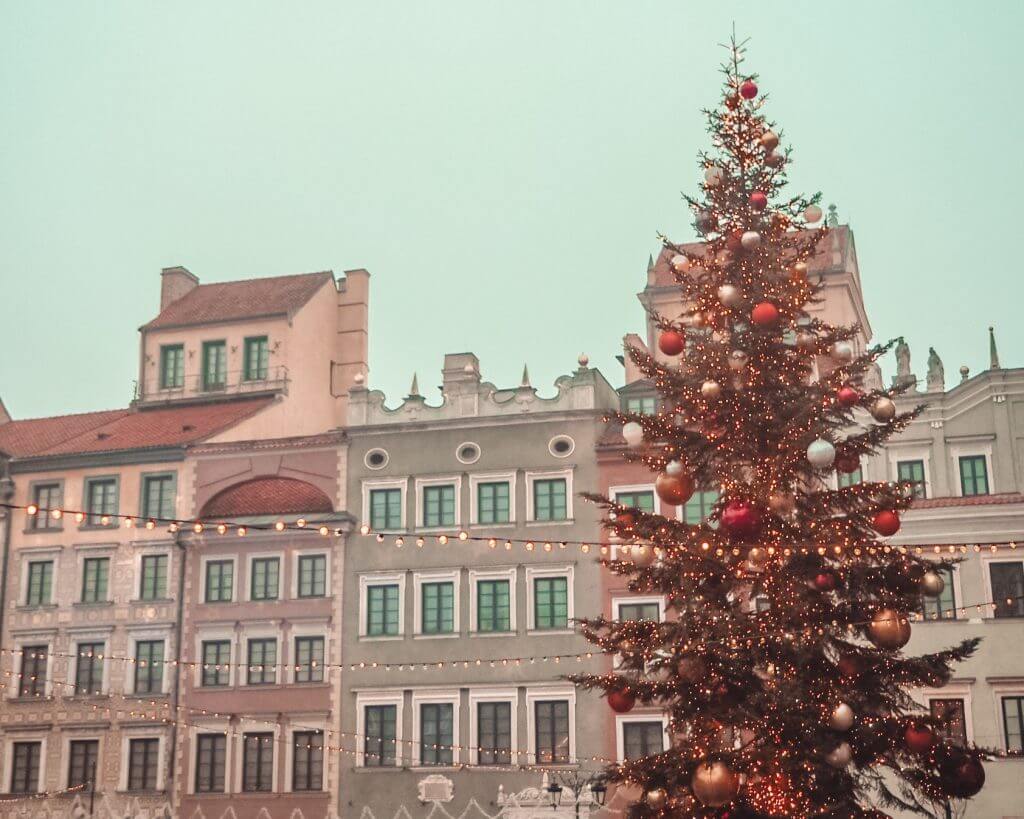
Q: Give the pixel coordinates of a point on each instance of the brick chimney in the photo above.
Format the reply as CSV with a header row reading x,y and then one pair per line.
x,y
175,282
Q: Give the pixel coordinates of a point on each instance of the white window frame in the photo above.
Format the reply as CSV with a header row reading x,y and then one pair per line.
x,y
262,631
40,555
899,452
370,484
211,727
966,450
485,695
421,507
282,581
987,559
65,755
613,493
478,478
233,559
249,726
650,716
141,550
129,734
475,576
381,579
139,634
33,639
536,572
545,475
294,584
8,769
439,696
1004,688
307,724
384,697
951,691
537,693
211,635
93,635
106,550
453,576
320,629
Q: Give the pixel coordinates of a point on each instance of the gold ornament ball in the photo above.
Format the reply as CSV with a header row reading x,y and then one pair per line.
x,y
656,798
715,784
711,390
842,718
932,584
884,409
782,503
757,557
769,140
889,629
738,360
642,556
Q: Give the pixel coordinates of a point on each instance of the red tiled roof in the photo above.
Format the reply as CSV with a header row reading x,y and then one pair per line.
x,y
226,301
267,496
123,429
972,500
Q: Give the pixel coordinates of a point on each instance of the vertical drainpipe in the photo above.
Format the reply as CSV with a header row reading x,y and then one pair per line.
x,y
7,517
179,630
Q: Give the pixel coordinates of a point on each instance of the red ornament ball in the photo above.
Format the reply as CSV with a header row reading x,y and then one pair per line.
x,y
886,523
748,90
847,464
764,314
671,342
847,396
919,738
621,702
741,519
962,776
758,200
675,490
625,519
825,581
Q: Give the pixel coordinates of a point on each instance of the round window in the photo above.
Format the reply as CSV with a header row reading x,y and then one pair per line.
x,y
561,446
376,459
468,453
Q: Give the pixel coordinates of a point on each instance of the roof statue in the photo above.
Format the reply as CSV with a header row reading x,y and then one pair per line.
x,y
903,377
936,378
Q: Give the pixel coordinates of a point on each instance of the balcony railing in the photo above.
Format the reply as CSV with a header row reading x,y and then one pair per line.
x,y
197,386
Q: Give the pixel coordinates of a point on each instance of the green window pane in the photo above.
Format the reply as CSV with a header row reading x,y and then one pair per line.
x,y
640,611
154,577
551,602
699,506
40,583
309,659
26,758
83,762
158,497
439,505
973,475
33,671
172,367
379,741
385,509
95,576
216,670
46,496
257,762
951,714
549,499
382,611
307,761
644,501
211,759
551,720
641,739
913,471
89,668
493,605
265,578
312,575
1008,588
219,581
494,733
438,608
101,500
436,725
1013,723
257,358
492,502
849,478
642,405
215,365
149,666
262,661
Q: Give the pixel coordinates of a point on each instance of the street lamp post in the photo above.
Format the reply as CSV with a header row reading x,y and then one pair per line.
x,y
577,785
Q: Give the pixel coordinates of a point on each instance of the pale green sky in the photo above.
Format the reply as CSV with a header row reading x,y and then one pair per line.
x,y
500,168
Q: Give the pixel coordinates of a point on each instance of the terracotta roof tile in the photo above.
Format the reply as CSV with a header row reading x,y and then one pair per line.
x,y
226,301
22,439
973,500
267,496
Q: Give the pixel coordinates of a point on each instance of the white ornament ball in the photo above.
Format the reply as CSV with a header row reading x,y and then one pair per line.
x,y
840,756
884,409
711,390
729,295
812,213
738,360
680,263
769,140
842,718
674,468
751,240
932,584
821,453
720,336
633,433
843,350
694,320
714,176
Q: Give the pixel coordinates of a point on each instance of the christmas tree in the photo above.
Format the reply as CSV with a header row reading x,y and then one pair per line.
x,y
800,707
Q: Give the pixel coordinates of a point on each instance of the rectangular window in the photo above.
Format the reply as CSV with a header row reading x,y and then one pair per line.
x,y
942,607
1007,588
552,730
153,584
950,712
215,365
45,496
436,727
158,497
40,583
257,357
143,762
149,667
95,576
640,611
257,762
493,605
385,509
642,405
549,499
309,659
494,733
219,581
1013,724
438,607
382,611
439,505
216,659
312,575
262,661
973,475
308,761
379,743
266,572
89,669
699,506
644,501
172,366
913,471
33,671
83,759
492,502
211,759
642,739
25,767
101,501
551,602
846,479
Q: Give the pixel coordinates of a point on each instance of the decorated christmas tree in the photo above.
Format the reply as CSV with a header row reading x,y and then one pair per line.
x,y
779,661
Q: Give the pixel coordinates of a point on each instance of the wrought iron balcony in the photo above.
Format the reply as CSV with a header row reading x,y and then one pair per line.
x,y
200,386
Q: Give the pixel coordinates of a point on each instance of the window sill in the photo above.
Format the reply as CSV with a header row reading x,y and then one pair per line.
x,y
424,768
42,530
531,524
86,697
36,607
157,792
550,632
508,524
452,531
488,634
370,769
156,695
98,527
140,600
453,635
99,604
20,699
384,638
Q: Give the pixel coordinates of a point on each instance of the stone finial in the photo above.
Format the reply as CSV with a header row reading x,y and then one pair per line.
x,y
583,360
965,373
993,353
832,220
526,378
650,262
414,388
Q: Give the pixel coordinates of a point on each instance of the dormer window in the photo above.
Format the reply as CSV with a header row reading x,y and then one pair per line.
x,y
172,367
257,358
215,365
641,404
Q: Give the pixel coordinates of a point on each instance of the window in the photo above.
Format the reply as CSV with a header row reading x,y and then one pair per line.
x,y
913,471
551,602
216,659
438,608
942,607
699,506
1013,723
492,502
143,764
312,575
266,573
153,585
644,501
89,669
642,404
158,496
552,730
149,667
40,583
215,365
642,738
439,505
83,760
385,509
309,659
257,356
172,366
1007,588
308,761
640,611
973,475
951,713
382,611
257,762
846,479
33,671
219,581
100,501
493,605
26,757
549,499
45,496
95,575
379,742
494,733
211,758
262,661
436,728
